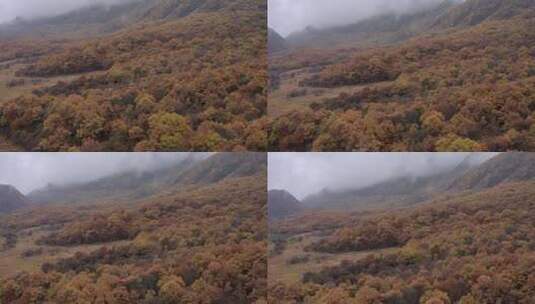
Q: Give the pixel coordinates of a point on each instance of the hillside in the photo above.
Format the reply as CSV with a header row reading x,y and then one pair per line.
x,y
464,247
166,82
396,192
282,204
448,88
473,12
224,165
402,191
454,251
137,185
504,168
124,186
99,19
205,243
275,42
87,21
383,29
11,199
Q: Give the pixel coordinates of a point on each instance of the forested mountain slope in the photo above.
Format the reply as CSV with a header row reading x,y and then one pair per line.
x,y
276,42
205,243
461,88
473,12
137,185
193,78
282,204
100,19
11,199
471,246
504,168
383,29
470,249
123,186
223,165
400,191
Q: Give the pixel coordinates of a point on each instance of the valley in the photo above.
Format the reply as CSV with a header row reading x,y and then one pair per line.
x,y
295,261
468,242
143,76
199,237
453,77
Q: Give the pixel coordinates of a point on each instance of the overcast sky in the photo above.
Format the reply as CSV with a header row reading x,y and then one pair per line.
x,y
303,174
287,16
10,9
30,171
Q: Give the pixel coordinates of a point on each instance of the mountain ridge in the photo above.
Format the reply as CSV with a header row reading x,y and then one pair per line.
x,y
12,199
282,204
276,43
391,28
504,168
97,19
473,12
136,185
386,28
399,191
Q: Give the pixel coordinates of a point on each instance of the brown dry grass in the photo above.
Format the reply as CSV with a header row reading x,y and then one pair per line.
x,y
12,261
280,271
8,74
279,103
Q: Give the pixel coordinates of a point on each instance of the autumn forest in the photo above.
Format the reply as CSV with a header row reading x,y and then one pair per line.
x,y
195,234
454,77
468,240
267,151
156,76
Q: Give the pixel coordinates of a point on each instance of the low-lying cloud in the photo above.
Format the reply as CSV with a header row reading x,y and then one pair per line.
x,y
29,9
287,16
303,174
31,171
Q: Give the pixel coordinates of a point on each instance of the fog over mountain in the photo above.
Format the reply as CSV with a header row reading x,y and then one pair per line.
x,y
303,174
28,9
31,171
288,16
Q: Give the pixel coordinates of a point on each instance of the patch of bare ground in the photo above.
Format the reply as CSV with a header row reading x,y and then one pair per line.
x,y
28,256
289,266
290,96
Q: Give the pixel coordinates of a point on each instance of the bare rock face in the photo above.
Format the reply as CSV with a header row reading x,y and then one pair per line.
x,y
11,199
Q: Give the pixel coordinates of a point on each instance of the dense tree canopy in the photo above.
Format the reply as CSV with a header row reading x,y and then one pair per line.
x,y
468,89
467,248
202,245
195,83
